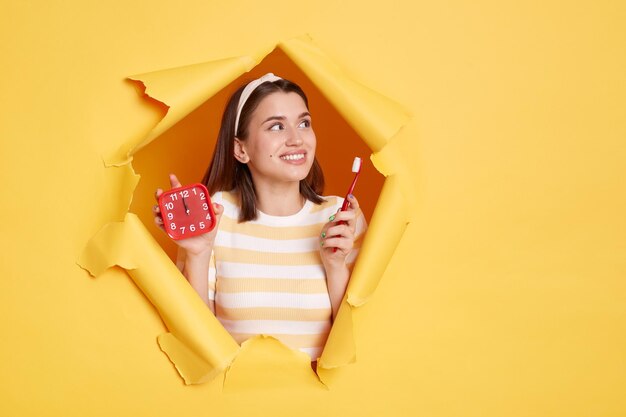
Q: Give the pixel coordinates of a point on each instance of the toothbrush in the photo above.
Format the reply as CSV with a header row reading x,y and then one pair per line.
x,y
356,168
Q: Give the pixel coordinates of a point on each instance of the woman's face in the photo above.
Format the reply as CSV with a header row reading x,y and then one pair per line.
x,y
281,143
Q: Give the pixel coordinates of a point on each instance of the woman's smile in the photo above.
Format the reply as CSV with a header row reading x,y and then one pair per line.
x,y
294,157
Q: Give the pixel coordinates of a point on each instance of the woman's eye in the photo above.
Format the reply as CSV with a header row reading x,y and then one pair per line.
x,y
276,126
305,123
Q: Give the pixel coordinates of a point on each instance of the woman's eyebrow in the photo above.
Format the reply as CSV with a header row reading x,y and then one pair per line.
x,y
306,113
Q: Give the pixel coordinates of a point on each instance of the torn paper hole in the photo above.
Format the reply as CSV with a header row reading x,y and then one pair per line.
x,y
197,344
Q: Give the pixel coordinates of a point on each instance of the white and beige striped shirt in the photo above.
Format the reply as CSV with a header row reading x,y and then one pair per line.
x,y
266,275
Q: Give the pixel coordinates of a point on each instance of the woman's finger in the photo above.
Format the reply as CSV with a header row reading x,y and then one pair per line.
x,y
354,203
344,216
218,209
338,236
174,181
324,231
159,222
340,243
342,230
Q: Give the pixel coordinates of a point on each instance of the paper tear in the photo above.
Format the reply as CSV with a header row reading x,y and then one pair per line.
x,y
391,160
141,86
376,253
182,90
185,88
384,234
265,363
198,344
106,249
340,347
122,189
373,116
193,368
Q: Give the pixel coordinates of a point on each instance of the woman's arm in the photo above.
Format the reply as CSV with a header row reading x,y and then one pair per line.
x,y
337,281
195,268
194,253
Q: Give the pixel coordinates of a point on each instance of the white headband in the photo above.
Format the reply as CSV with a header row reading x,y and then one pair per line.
x,y
245,94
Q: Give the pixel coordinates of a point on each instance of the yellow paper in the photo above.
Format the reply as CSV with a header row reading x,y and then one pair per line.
x,y
198,344
505,294
264,363
375,118
182,90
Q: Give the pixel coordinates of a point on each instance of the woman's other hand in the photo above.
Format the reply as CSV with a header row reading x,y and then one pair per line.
x,y
336,243
337,236
196,245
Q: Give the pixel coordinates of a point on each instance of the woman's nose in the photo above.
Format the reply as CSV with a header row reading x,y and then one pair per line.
x,y
293,138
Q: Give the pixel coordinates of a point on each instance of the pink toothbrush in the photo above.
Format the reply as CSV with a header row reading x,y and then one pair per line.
x,y
356,168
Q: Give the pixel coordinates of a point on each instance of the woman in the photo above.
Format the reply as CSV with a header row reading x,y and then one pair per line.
x,y
280,258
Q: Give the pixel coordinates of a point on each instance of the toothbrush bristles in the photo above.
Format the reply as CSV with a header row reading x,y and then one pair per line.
x,y
356,165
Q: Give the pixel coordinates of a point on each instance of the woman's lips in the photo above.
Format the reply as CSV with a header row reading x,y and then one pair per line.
x,y
294,157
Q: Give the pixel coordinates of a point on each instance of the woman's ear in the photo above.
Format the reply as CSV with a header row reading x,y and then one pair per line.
x,y
240,152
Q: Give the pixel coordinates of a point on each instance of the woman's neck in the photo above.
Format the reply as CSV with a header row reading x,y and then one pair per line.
x,y
279,199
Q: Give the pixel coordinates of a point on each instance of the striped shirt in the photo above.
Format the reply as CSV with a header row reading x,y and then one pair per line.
x,y
266,275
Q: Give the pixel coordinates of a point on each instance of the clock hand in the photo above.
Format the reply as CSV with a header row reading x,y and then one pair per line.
x,y
186,208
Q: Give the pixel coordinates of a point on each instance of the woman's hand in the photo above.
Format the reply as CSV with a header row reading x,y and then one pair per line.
x,y
197,249
196,245
336,242
337,236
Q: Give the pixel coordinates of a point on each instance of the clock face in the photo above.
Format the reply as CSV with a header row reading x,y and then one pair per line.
x,y
187,211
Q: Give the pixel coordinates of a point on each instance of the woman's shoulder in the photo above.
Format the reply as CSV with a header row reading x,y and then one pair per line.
x,y
224,196
331,204
229,201
331,201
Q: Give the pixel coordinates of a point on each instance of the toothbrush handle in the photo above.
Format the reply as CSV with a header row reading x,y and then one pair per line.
x,y
344,207
345,204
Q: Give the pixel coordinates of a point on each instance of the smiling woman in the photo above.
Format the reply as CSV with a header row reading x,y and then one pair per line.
x,y
280,259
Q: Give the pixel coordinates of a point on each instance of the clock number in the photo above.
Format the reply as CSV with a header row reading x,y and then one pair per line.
x,y
183,229
170,216
202,226
169,205
173,226
192,227
194,191
174,197
202,196
205,206
208,216
184,193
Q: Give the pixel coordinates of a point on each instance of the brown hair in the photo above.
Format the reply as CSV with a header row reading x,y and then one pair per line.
x,y
225,173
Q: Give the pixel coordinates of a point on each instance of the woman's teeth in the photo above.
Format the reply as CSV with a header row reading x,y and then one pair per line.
x,y
294,157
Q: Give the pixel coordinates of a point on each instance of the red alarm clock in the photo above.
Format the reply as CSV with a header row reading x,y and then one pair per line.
x,y
187,211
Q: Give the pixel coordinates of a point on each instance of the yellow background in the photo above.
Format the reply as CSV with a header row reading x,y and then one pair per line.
x,y
507,294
